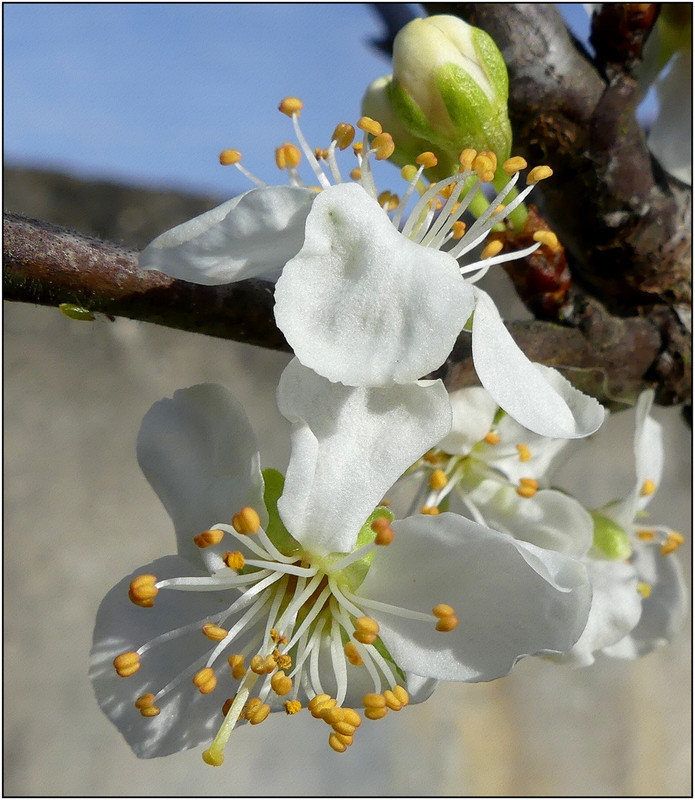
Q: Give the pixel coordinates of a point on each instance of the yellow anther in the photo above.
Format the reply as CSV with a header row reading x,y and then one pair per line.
x,y
443,610
490,156
346,739
392,701
251,706
318,700
532,482
500,208
402,695
433,456
145,705
376,713
438,480
538,174
262,665
384,536
466,159
208,538
228,157
281,684
458,228
547,238
283,660
644,589
277,637
485,166
127,664
234,560
290,106
352,655
293,707
383,146
321,153
142,590
647,536
648,487
214,632
366,630
491,438
374,700
436,204
343,135
447,624
246,521
409,173
524,452
336,744
431,510
426,160
288,156
369,125
318,709
527,487
259,714
332,715
236,662
356,174
514,164
344,727
357,148
492,248
205,680
227,705
672,543
387,200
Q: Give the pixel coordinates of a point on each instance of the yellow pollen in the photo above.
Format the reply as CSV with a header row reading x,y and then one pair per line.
x,y
458,228
648,487
346,739
287,156
344,728
392,701
526,491
290,106
431,510
438,479
259,714
246,521
343,135
426,160
283,660
672,543
443,610
447,624
547,238
383,146
388,200
408,172
292,707
318,709
647,536
514,164
436,204
142,590
351,717
356,174
376,713
228,157
383,530
277,637
333,715
492,248
205,680
127,664
236,662
491,438
532,482
214,632
467,158
352,655
234,560
317,700
374,700
145,705
524,452
357,148
538,174
369,125
208,538
644,589
402,695
262,665
485,166
281,684
250,707
366,630
336,744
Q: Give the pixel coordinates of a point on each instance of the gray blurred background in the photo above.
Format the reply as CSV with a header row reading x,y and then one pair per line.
x,y
79,516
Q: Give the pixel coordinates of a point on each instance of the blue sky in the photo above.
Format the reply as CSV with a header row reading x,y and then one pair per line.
x,y
150,93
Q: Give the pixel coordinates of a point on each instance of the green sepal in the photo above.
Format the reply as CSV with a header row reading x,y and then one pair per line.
x,y
276,530
610,540
76,312
357,571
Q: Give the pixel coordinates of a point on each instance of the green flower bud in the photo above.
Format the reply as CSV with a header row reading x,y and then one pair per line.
x,y
450,86
610,540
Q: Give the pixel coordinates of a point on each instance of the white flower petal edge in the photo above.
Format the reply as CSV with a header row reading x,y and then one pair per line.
x,y
349,445
199,454
513,599
361,303
538,397
473,411
250,236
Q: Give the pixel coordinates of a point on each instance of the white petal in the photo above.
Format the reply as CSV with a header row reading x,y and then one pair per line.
x,y
512,599
349,445
250,236
538,397
200,456
550,519
361,303
473,413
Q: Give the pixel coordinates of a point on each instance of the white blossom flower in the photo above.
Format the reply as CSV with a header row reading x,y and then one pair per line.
x,y
296,603
367,292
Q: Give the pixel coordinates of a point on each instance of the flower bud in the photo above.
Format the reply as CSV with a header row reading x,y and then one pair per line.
x,y
450,86
610,540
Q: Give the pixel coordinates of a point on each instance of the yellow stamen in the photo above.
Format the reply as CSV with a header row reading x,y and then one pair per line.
x,y
485,166
431,510
527,487
346,739
281,684
288,156
142,590
366,630
234,560
343,135
408,173
369,125
356,174
492,248
491,438
538,174
458,228
318,709
251,706
352,717
262,665
357,148
644,589
672,543
246,521
524,452
320,153
443,610
127,664
447,624
292,707
467,158
438,480
277,637
426,160
283,660
336,744
648,487
214,632
344,727
647,536
333,715
383,146
547,238
514,164
259,714
352,655
228,157
205,680
145,705
208,538
383,530
402,695
374,700
392,701
236,662
376,713
290,106
387,200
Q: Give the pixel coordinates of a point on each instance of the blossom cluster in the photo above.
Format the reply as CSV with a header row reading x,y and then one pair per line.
x,y
311,589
